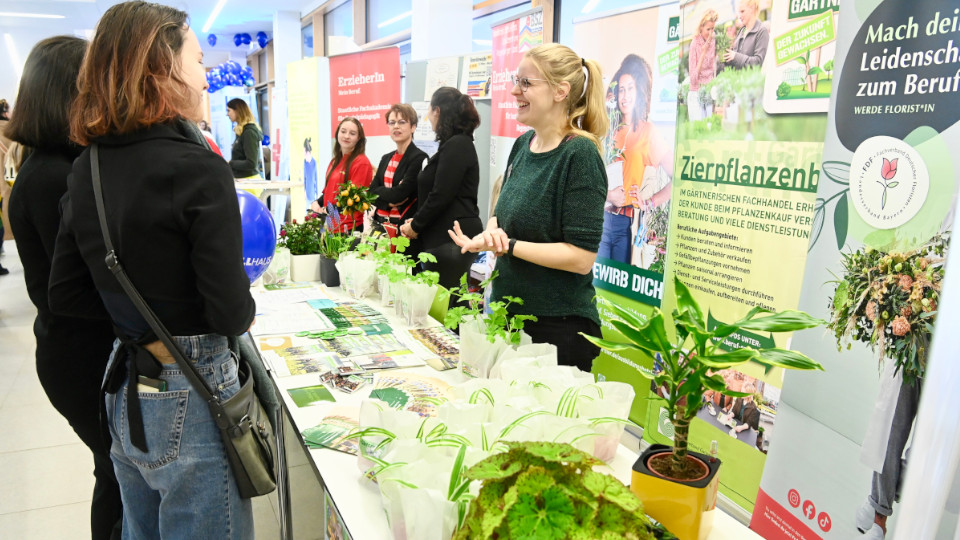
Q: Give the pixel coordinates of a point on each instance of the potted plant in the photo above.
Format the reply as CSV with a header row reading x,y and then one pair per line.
x,y
332,244
304,242
671,481
550,490
353,198
419,290
484,337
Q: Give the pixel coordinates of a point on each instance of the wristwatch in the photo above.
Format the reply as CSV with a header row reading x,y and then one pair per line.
x,y
511,244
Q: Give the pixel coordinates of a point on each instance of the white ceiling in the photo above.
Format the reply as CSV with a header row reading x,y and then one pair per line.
x,y
80,18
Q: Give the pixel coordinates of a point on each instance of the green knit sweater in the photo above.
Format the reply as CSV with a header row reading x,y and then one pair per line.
x,y
554,196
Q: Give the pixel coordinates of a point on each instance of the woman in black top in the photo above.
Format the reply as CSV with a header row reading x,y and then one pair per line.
x,y
447,187
71,352
172,212
245,155
395,183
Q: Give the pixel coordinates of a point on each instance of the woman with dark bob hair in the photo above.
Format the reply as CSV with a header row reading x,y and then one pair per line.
x,y
447,186
71,352
176,229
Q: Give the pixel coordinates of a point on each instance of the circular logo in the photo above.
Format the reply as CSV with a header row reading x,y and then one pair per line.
x,y
809,510
888,182
793,497
824,521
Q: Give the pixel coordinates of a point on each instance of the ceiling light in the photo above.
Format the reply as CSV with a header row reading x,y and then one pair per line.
x,y
398,18
591,5
30,15
213,16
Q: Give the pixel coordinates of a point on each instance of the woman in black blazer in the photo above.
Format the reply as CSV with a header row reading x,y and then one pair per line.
x,y
447,187
395,183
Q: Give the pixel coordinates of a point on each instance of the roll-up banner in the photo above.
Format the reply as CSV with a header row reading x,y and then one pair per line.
x,y
511,39
639,52
885,201
308,150
754,91
364,85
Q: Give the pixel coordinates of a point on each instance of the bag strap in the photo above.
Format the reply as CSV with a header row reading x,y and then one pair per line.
x,y
113,263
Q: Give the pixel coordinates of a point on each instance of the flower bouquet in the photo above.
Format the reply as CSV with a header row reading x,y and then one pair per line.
x,y
889,301
353,198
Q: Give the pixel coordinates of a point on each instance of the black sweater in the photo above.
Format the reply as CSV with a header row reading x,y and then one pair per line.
x,y
404,181
176,227
35,218
245,153
447,191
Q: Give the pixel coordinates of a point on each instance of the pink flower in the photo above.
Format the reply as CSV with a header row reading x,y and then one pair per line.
x,y
906,311
283,232
871,310
294,222
900,326
905,282
889,169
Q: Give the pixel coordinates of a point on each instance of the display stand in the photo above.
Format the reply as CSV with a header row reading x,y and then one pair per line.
x,y
263,189
356,499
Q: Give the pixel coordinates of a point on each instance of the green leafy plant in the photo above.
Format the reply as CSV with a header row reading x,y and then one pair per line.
x,y
691,359
890,302
550,491
302,238
499,323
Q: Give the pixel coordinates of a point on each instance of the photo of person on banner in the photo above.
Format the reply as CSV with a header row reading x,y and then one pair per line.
x,y
702,66
309,171
639,170
750,46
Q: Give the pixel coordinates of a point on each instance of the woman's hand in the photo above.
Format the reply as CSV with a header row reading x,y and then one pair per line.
x,y
494,240
407,230
315,206
635,193
401,203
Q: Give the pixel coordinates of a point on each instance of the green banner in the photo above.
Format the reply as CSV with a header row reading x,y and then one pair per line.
x,y
809,8
669,61
635,283
802,39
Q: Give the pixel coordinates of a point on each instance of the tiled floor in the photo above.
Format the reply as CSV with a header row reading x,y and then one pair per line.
x,y
46,473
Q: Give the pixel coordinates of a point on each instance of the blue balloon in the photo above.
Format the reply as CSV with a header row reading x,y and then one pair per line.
x,y
259,234
234,67
237,40
212,89
261,35
262,39
247,70
212,40
266,140
246,38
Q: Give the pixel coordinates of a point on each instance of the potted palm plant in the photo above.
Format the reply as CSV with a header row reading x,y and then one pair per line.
x,y
671,481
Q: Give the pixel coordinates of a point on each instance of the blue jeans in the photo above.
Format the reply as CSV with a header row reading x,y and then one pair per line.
x,y
182,487
615,241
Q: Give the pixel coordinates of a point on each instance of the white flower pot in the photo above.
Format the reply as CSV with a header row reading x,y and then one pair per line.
x,y
305,267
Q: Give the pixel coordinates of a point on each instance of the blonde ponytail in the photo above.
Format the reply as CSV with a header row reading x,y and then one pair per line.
x,y
586,107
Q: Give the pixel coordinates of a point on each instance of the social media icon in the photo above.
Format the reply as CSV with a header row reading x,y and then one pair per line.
x,y
824,521
793,497
809,510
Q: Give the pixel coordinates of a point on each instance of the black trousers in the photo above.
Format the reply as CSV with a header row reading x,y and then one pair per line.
x,y
564,332
72,383
451,264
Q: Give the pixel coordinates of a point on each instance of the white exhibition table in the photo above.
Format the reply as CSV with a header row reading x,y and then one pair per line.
x,y
358,499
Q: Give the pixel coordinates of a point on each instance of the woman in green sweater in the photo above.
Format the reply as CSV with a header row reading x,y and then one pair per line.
x,y
549,218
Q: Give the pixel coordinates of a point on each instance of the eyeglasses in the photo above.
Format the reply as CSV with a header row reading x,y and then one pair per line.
x,y
400,123
524,82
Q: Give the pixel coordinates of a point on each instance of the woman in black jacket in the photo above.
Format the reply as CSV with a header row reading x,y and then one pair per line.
x,y
71,352
447,186
176,230
395,183
246,154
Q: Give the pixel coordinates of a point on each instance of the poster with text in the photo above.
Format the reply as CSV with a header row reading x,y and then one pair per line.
x,y
364,85
303,123
511,39
476,77
885,203
441,72
744,194
637,52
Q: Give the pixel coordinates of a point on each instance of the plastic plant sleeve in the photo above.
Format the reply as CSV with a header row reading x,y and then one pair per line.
x,y
477,354
513,362
417,299
279,269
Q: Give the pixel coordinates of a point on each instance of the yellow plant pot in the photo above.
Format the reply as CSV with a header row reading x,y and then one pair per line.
x,y
685,507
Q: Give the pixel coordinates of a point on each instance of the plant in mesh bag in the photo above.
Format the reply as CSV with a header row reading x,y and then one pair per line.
x,y
498,323
550,491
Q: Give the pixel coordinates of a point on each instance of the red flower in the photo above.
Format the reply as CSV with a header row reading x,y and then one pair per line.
x,y
283,232
889,169
294,222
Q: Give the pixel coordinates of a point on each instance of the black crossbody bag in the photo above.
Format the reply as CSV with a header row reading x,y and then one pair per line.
x,y
245,427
